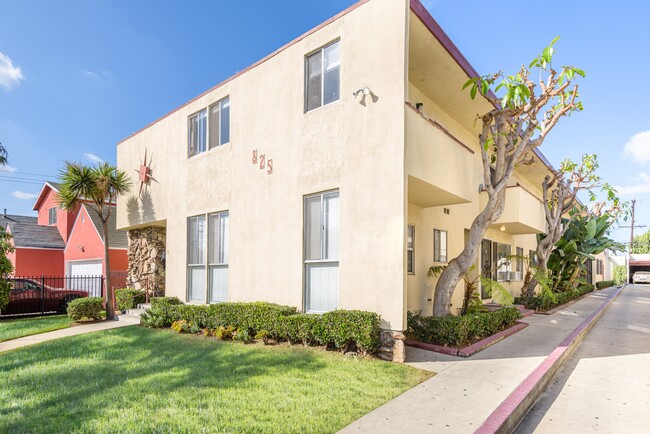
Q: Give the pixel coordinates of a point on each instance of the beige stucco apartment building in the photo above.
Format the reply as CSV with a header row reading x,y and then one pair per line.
x,y
331,174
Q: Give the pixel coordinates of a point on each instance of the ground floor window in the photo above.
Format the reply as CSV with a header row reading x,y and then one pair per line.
x,y
321,251
207,274
495,262
532,257
519,265
410,249
439,245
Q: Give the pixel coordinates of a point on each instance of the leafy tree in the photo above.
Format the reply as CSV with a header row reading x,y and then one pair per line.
x,y
97,187
6,267
585,237
620,274
532,102
642,243
559,192
3,155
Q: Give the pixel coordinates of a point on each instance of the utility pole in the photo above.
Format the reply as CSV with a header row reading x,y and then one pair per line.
x,y
632,226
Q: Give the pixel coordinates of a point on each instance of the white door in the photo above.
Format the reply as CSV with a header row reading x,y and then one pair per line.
x,y
85,276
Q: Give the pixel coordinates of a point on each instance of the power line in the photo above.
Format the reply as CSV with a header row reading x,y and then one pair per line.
x,y
41,175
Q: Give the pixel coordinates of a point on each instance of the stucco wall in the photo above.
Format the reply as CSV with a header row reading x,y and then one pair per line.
x,y
64,219
38,262
356,148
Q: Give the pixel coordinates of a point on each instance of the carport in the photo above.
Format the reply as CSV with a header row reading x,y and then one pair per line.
x,y
638,263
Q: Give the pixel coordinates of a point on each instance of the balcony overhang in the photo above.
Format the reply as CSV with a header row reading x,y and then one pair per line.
x,y
523,212
440,168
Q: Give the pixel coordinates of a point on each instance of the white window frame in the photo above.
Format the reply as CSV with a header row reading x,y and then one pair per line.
x,y
191,265
52,216
221,103
410,250
320,51
506,262
324,259
437,238
518,274
198,150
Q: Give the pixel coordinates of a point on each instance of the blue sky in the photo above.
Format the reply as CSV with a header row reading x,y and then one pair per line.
x,y
78,76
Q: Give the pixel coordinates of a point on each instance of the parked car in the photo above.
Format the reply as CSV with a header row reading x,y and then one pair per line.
x,y
641,277
26,296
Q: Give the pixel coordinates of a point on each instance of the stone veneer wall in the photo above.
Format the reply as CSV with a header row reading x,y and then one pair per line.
x,y
147,258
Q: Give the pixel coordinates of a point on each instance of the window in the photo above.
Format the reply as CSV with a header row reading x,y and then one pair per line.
x,y
219,128
196,258
410,249
197,133
52,216
321,251
532,255
439,245
599,266
519,265
214,239
322,76
501,261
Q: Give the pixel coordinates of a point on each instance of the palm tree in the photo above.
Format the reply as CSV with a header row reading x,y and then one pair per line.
x,y
97,187
3,155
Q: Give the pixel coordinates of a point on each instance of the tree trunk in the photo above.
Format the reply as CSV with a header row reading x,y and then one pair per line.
x,y
458,266
110,295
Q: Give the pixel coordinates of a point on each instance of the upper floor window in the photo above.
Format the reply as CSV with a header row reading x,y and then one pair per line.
x,y
196,133
219,129
52,216
322,76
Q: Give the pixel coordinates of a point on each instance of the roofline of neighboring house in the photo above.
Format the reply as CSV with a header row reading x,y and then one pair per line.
x,y
259,62
74,225
41,195
40,248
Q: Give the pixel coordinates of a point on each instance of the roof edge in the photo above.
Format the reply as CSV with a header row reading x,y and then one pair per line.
x,y
41,195
248,68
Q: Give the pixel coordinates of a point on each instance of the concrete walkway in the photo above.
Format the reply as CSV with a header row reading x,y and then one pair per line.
x,y
124,321
605,385
466,391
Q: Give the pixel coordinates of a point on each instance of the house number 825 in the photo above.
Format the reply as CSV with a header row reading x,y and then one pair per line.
x,y
263,162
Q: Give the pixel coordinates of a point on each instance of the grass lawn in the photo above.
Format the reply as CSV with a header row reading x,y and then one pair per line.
x,y
17,328
135,379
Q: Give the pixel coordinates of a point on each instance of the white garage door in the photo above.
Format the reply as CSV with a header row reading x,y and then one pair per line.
x,y
85,276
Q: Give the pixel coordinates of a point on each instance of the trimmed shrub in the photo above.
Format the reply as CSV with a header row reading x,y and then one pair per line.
x,y
165,301
223,333
542,303
85,308
458,331
605,284
340,329
128,298
242,335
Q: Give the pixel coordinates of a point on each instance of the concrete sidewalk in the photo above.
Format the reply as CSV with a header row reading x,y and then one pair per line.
x,y
124,321
466,391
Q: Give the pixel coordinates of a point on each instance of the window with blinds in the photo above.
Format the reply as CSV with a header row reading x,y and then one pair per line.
x,y
219,123
502,263
322,76
410,249
218,256
321,251
196,133
196,238
52,216
439,245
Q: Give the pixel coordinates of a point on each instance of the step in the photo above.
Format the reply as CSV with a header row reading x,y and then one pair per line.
x,y
144,306
137,312
128,317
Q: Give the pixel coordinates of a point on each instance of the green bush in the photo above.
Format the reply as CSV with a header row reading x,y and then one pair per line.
x,y
339,329
460,331
129,298
165,301
542,303
242,335
86,308
605,284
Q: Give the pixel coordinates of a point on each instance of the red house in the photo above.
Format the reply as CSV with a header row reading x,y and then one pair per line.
x,y
59,242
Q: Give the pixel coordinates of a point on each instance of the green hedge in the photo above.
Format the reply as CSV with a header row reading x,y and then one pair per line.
x,y
457,331
165,301
337,329
542,303
128,298
86,308
605,284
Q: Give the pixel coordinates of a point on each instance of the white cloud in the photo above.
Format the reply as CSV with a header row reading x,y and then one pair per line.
x,y
10,75
637,148
8,168
100,76
641,186
22,195
93,158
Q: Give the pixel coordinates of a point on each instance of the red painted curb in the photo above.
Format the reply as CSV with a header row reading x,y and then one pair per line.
x,y
432,347
498,418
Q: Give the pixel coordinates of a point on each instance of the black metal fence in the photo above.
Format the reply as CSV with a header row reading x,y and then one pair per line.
x,y
49,294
